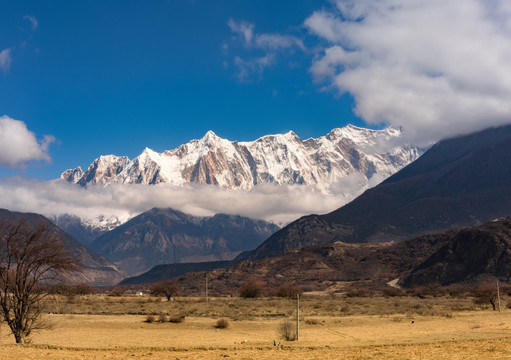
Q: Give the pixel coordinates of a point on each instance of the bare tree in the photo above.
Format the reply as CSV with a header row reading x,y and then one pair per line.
x,y
484,294
31,255
166,287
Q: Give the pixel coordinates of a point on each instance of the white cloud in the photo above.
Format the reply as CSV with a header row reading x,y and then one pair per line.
x,y
18,145
437,68
5,59
278,203
32,20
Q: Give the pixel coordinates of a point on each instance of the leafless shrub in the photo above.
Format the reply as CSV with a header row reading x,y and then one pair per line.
x,y
358,293
313,322
176,319
252,289
393,292
222,324
287,330
425,291
163,318
150,319
289,291
117,291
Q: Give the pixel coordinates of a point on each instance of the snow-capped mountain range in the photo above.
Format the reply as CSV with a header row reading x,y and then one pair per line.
x,y
276,159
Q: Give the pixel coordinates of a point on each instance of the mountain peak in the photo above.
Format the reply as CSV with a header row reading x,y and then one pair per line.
x,y
276,159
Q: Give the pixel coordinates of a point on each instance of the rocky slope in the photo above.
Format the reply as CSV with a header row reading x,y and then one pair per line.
x,y
95,270
168,236
470,255
277,159
87,230
462,181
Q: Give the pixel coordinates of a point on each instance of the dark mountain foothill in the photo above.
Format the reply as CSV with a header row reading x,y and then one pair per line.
x,y
468,255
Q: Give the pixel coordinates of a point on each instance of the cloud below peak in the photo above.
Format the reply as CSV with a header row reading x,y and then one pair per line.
x,y
18,145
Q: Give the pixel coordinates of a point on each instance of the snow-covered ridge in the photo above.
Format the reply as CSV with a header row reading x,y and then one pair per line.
x,y
278,159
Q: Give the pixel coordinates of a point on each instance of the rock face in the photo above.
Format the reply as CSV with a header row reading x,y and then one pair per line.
x,y
472,255
161,236
277,159
96,270
463,181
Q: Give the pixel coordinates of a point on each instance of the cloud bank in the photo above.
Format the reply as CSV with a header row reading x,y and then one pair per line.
x,y
18,145
278,203
437,68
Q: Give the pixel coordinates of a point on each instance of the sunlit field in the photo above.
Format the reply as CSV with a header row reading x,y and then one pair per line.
x,y
101,327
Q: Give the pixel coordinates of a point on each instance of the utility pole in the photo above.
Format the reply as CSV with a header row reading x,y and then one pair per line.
x,y
297,317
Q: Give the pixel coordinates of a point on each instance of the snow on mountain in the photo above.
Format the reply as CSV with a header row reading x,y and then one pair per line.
x,y
278,159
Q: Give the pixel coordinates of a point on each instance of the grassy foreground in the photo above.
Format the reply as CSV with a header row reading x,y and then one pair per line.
x,y
469,334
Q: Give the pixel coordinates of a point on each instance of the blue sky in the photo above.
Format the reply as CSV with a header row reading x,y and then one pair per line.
x,y
112,77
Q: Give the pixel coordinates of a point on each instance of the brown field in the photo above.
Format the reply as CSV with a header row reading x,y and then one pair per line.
x,y
330,328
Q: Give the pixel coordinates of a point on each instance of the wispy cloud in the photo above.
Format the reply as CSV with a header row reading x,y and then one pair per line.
x,y
253,65
32,20
5,59
18,145
437,68
263,48
244,29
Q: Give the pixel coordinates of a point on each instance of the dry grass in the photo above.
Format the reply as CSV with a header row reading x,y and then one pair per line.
x,y
246,309
408,328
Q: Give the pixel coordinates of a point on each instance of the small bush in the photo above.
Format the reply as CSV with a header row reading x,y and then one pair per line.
x,y
222,324
358,293
163,318
117,291
176,319
150,319
287,330
252,289
392,292
288,291
312,322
